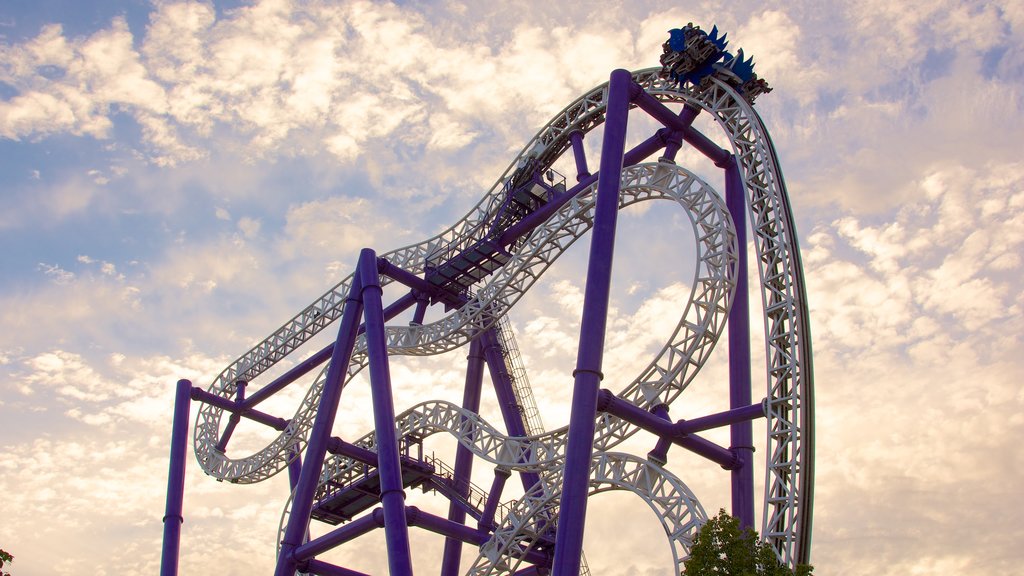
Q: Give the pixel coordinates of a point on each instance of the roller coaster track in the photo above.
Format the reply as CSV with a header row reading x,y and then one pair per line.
x,y
789,402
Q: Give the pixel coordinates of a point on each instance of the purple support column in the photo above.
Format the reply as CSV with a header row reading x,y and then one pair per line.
x,y
346,533
324,569
294,470
320,435
234,419
389,466
501,475
511,412
464,457
741,433
573,504
176,480
576,138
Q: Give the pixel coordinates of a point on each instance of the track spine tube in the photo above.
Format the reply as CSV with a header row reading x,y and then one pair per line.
x,y
173,518
464,457
587,376
392,494
316,451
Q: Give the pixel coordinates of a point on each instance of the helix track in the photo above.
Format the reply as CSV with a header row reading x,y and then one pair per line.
x,y
786,516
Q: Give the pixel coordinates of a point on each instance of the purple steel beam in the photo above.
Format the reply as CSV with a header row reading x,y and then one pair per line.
x,y
666,116
607,401
501,475
236,408
173,518
660,453
349,450
324,569
639,152
234,419
579,154
445,527
338,536
587,376
418,284
741,433
464,457
511,412
294,469
727,418
304,367
392,494
438,525
316,451
661,426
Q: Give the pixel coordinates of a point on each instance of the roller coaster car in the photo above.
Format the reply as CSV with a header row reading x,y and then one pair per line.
x,y
754,87
739,74
689,49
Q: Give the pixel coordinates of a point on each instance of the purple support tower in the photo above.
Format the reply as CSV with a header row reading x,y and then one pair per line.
x,y
575,486
457,289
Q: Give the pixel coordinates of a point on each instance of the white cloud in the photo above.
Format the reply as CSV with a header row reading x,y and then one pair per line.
x,y
231,166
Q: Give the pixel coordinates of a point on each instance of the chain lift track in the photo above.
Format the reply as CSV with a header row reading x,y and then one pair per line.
x,y
477,270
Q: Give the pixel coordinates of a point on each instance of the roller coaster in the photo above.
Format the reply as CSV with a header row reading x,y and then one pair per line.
x,y
468,279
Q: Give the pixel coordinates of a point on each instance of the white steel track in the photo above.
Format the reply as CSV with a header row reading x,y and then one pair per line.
x,y
789,460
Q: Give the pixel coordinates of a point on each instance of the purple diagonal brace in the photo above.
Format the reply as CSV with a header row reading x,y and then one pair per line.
x,y
176,480
511,412
392,494
587,376
320,435
741,433
464,457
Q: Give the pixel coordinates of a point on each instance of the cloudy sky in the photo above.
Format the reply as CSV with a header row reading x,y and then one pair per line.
x,y
179,178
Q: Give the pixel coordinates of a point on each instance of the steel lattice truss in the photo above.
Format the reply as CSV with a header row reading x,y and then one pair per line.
x,y
523,531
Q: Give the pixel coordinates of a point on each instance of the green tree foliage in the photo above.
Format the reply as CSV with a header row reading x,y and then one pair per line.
x,y
721,548
5,558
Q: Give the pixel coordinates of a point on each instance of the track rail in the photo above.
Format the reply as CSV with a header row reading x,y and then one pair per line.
x,y
789,462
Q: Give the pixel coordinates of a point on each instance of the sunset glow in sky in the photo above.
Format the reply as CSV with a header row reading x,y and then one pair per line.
x,y
179,178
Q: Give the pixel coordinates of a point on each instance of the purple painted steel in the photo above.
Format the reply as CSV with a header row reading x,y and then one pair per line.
x,y
274,422
580,443
418,284
316,450
338,446
674,138
445,527
304,367
579,154
464,457
338,536
659,424
734,416
511,412
324,569
637,154
666,116
389,466
173,518
741,433
501,475
422,302
664,428
234,419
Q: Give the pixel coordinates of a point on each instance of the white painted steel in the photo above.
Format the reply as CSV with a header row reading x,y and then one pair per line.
x,y
789,461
